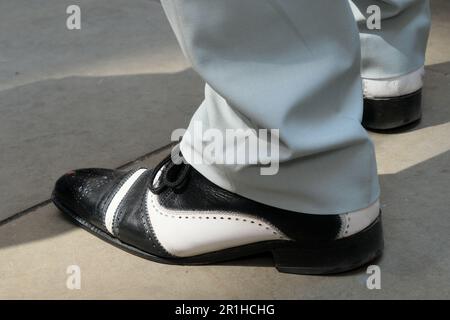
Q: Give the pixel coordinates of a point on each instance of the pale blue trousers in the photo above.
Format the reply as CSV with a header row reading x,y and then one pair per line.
x,y
295,66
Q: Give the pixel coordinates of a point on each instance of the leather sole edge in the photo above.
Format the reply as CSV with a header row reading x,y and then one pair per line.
x,y
392,113
338,256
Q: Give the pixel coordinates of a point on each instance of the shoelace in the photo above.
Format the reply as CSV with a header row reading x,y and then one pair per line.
x,y
172,175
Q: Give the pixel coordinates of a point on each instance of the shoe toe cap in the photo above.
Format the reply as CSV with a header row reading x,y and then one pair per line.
x,y
81,191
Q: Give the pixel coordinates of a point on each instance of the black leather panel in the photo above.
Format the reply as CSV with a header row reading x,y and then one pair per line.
x,y
131,223
200,194
82,191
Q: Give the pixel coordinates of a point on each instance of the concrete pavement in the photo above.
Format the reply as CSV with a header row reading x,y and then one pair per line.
x,y
114,89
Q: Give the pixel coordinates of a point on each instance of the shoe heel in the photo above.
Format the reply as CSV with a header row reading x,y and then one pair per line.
x,y
338,256
392,113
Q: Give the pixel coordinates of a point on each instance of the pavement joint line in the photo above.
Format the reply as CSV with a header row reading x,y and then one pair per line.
x,y
147,155
25,212
48,201
446,74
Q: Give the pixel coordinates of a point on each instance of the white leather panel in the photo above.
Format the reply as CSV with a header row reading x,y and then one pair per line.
x,y
394,87
114,204
190,233
356,221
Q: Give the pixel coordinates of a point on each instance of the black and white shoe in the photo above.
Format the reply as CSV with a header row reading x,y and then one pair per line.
x,y
172,214
393,103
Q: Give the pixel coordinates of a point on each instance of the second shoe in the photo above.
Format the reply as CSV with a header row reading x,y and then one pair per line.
x,y
393,103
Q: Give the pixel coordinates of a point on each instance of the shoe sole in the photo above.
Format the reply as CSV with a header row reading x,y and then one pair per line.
x,y
392,113
290,257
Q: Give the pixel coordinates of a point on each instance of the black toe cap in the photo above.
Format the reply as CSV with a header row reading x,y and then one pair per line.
x,y
81,192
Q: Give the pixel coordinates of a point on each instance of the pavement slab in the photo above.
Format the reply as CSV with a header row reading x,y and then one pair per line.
x,y
100,96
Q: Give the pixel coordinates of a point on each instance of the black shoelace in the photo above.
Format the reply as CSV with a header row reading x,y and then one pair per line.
x,y
173,174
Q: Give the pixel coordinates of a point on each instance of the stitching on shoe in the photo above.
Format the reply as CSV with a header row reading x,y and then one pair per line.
x,y
250,220
150,232
115,223
106,201
121,210
248,217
